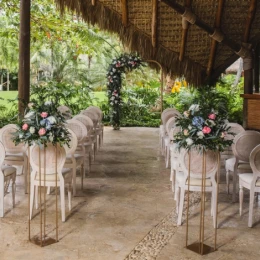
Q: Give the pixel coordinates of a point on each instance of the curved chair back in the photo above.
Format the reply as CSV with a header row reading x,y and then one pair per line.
x,y
47,158
72,144
97,110
196,163
234,128
167,111
167,115
2,154
255,163
65,111
86,121
93,116
244,143
6,136
78,128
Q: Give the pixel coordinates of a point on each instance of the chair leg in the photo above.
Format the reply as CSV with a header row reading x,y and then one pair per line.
x,y
62,201
2,194
168,157
251,205
234,186
181,207
69,197
25,173
49,190
74,180
177,198
13,191
227,180
82,175
241,199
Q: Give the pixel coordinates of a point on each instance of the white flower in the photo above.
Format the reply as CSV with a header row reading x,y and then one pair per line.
x,y
51,138
189,141
20,136
194,107
112,98
47,103
32,130
51,119
189,127
200,134
211,122
62,135
186,113
29,114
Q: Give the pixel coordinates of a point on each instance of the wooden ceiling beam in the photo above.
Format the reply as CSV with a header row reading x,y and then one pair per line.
x,y
214,43
124,8
185,28
236,47
154,22
93,2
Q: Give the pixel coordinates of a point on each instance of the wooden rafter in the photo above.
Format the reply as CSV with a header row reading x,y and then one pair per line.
x,y
93,2
124,8
154,22
185,28
214,42
204,26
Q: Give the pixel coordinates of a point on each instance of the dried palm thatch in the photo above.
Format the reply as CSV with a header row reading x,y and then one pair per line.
x,y
156,31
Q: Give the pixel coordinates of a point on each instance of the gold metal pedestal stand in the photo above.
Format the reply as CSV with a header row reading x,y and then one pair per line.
x,y
42,239
199,247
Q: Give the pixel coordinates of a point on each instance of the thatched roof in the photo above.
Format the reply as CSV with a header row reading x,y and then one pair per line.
x,y
156,30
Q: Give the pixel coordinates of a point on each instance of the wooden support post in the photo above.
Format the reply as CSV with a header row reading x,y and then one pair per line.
x,y
214,42
248,70
124,8
257,68
154,22
185,28
24,54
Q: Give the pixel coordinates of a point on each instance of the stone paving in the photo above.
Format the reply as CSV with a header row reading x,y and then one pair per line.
x,y
126,211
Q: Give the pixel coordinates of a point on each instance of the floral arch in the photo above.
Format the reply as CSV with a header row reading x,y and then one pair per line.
x,y
123,64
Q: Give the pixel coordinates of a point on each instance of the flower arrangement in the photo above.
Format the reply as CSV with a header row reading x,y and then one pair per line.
x,y
126,62
202,128
42,124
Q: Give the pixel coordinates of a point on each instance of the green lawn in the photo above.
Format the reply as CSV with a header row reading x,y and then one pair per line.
x,y
101,96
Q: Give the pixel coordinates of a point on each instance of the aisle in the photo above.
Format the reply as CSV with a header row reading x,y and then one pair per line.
x,y
125,196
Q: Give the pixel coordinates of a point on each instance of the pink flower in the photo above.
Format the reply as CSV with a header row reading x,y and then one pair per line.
x,y
186,132
42,131
206,130
212,116
44,114
25,127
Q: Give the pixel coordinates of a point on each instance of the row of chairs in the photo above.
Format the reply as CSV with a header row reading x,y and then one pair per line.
x,y
86,132
238,159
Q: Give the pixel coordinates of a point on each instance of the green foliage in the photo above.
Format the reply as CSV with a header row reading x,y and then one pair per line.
x,y
42,124
8,115
77,98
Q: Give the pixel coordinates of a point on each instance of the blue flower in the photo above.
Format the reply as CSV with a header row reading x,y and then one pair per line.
x,y
198,121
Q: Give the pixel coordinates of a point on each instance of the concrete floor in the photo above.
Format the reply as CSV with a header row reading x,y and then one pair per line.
x,y
126,211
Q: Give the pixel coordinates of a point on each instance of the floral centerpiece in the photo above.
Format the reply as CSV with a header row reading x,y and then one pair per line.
x,y
202,128
42,124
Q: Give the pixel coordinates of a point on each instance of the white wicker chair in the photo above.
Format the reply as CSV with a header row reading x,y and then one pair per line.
x,y
65,111
74,159
7,173
45,175
196,159
250,181
100,126
88,142
15,154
